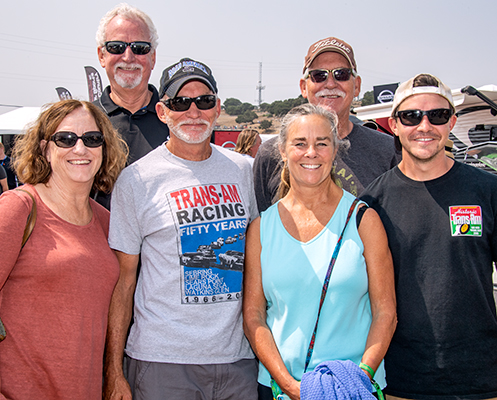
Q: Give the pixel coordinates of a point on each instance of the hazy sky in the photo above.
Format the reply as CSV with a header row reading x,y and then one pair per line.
x,y
45,44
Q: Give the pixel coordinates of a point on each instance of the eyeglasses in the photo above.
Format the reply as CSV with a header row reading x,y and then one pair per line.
x,y
205,102
119,47
439,116
321,75
67,140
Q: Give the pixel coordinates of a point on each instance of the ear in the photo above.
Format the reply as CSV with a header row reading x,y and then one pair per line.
x,y
303,88
101,57
218,108
161,110
357,89
453,121
282,153
44,149
392,123
154,54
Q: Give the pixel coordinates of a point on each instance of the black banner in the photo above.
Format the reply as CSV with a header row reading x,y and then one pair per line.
x,y
63,93
94,83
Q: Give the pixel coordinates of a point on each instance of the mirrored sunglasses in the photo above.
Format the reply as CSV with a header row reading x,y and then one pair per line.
x,y
119,47
321,75
439,116
205,102
69,139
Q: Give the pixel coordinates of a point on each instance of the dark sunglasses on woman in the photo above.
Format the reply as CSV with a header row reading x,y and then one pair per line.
x,y
67,140
438,116
205,102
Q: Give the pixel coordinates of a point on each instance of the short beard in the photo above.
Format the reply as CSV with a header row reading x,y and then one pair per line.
x,y
190,138
128,83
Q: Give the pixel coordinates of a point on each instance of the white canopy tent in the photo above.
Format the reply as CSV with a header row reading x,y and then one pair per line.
x,y
15,122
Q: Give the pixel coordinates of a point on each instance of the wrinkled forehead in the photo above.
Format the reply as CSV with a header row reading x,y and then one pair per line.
x,y
330,60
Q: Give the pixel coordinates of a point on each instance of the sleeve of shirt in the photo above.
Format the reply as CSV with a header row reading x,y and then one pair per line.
x,y
264,165
14,211
124,230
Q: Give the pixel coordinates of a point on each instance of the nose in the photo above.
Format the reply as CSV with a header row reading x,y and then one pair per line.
x,y
79,147
128,55
330,83
311,151
424,125
193,111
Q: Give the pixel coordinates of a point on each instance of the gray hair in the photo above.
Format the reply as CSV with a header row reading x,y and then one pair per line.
x,y
308,109
129,12
293,115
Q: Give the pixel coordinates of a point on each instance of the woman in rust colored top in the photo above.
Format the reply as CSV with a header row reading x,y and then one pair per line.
x,y
55,291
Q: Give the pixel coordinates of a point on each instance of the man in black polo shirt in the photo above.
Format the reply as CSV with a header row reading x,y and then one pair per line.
x,y
127,42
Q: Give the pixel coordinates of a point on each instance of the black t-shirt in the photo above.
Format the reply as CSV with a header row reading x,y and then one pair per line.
x,y
443,238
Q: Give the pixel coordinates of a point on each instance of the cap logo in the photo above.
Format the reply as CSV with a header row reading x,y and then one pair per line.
x,y
186,66
327,42
173,70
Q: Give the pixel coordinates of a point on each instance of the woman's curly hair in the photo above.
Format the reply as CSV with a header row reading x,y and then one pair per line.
x,y
29,159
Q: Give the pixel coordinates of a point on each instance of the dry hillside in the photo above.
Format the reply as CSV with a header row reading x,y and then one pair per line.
x,y
228,121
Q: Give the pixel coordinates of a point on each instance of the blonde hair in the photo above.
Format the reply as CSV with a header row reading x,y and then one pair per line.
x,y
31,165
246,139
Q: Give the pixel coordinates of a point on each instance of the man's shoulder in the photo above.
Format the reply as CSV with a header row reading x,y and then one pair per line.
x,y
225,155
382,182
371,134
268,150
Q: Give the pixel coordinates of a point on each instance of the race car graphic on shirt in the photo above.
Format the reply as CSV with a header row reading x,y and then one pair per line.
x,y
211,221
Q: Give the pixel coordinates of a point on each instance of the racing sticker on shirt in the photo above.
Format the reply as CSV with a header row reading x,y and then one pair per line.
x,y
211,222
465,220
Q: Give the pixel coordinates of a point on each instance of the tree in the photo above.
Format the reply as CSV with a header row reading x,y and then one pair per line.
x,y
247,117
281,107
368,98
266,124
232,102
232,106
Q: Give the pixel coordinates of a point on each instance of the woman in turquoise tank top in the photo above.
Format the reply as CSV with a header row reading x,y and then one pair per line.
x,y
289,249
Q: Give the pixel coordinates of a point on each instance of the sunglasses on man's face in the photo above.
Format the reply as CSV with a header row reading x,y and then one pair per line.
x,y
67,140
119,47
205,102
439,116
321,75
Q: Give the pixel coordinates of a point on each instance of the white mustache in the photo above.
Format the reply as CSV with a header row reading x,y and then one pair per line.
x,y
128,66
330,92
197,121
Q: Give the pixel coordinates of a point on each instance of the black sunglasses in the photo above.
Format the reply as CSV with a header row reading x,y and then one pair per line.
x,y
439,116
321,75
67,140
119,47
205,102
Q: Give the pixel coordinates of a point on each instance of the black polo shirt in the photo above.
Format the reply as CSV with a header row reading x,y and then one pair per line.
x,y
143,131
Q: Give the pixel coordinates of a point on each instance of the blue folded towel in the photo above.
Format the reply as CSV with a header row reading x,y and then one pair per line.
x,y
336,380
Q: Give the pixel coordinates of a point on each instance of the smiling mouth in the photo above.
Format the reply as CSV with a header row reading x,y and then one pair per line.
x,y
310,166
79,162
424,139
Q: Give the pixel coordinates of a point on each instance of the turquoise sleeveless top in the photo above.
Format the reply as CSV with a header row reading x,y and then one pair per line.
x,y
293,274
